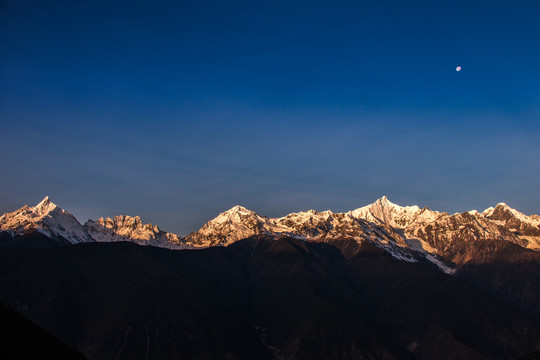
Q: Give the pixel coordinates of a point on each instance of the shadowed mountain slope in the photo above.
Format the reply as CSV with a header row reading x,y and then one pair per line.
x,y
258,298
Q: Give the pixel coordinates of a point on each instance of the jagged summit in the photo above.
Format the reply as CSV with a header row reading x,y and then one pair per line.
x,y
47,218
239,208
524,226
131,228
45,206
383,211
229,226
384,201
46,200
491,209
503,210
236,213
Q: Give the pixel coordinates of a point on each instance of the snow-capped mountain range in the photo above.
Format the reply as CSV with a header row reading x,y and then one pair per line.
x,y
407,232
56,223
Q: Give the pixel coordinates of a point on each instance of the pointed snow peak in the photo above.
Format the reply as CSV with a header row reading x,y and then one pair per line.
x,y
503,212
383,211
45,200
235,214
238,208
48,219
384,201
500,207
229,226
45,206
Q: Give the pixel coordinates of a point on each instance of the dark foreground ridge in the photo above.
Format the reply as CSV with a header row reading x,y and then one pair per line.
x,y
259,299
22,339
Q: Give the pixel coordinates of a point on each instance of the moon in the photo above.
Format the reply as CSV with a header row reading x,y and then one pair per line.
x,y
458,68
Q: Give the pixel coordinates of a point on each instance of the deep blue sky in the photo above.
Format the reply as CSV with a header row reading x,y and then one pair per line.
x,y
177,110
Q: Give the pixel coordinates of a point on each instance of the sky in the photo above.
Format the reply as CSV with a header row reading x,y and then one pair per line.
x,y
178,110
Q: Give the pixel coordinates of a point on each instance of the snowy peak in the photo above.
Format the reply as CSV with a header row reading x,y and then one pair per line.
x,y
501,212
236,214
239,209
521,224
131,228
229,226
45,206
46,218
383,211
238,217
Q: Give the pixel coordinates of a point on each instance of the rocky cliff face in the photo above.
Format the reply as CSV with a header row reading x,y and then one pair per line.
x,y
525,227
131,228
455,237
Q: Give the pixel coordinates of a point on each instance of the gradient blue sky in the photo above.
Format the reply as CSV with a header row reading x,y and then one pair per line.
x,y
178,110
